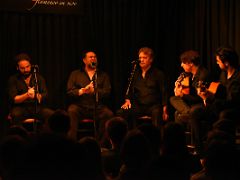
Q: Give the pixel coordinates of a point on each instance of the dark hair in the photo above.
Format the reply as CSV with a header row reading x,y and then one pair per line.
x,y
84,53
22,56
190,56
220,152
228,54
116,128
59,121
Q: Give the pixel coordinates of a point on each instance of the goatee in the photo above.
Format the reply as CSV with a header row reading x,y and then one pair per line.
x,y
26,75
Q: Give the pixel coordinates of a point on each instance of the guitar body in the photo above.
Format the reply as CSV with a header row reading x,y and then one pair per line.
x,y
185,82
213,87
186,90
185,85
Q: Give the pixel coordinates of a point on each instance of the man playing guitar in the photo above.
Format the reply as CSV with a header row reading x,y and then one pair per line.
x,y
226,99
185,87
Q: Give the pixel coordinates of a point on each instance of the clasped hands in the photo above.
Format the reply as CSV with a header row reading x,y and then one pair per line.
x,y
89,89
31,94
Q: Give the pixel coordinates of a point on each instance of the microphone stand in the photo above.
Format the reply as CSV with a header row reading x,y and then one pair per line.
x,y
35,98
130,80
95,77
131,76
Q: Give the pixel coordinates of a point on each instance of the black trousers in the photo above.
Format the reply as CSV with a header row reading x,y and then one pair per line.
x,y
132,115
78,113
180,105
21,113
202,120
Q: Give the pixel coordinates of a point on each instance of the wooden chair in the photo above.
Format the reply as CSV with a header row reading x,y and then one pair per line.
x,y
86,127
29,124
143,120
184,120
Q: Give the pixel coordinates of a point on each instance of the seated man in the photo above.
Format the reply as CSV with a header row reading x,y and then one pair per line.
x,y
27,93
220,109
186,86
147,94
88,88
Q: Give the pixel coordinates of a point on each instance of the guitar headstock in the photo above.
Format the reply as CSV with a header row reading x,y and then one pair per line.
x,y
182,76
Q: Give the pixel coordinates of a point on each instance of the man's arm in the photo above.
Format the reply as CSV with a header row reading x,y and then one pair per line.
x,y
21,98
13,89
72,90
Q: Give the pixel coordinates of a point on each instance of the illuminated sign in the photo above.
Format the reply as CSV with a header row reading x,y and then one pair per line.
x,y
61,3
42,6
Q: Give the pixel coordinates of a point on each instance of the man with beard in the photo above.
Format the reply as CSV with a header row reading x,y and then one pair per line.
x,y
89,89
221,106
27,92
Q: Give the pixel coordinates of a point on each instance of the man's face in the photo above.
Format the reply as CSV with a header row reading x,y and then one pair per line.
x,y
145,60
220,63
187,67
24,67
90,59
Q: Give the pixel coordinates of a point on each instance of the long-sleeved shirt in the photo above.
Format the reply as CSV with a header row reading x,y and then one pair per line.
x,y
79,79
228,92
201,75
150,90
17,86
232,86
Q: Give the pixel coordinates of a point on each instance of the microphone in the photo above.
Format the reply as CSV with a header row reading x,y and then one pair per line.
x,y
136,61
93,64
35,66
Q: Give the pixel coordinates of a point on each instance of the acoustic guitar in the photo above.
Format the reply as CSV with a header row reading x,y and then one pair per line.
x,y
210,87
183,83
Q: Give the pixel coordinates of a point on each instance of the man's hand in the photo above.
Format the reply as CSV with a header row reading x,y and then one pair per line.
x,y
165,115
89,89
39,98
127,104
178,91
31,92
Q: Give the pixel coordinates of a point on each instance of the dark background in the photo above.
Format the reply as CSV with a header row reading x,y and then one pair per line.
x,y
115,29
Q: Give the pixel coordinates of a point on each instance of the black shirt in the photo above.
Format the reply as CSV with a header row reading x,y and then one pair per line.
x,y
232,86
79,79
17,86
150,90
202,74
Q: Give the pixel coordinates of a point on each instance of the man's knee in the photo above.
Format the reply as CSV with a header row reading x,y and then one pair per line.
x,y
172,99
16,113
73,109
